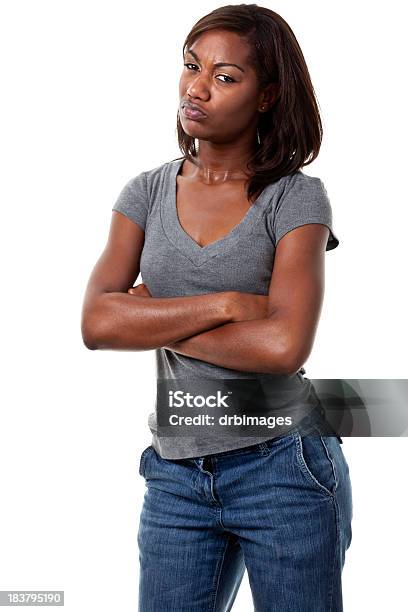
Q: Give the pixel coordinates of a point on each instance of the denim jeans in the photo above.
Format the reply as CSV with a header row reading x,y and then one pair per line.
x,y
281,509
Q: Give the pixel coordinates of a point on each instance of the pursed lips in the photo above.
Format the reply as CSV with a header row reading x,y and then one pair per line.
x,y
193,110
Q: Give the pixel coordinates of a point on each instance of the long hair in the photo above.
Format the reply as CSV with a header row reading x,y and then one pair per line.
x,y
291,131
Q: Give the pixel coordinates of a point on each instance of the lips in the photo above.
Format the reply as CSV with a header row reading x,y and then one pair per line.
x,y
192,111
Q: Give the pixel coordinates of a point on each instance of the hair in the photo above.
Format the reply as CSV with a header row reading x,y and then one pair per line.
x,y
291,131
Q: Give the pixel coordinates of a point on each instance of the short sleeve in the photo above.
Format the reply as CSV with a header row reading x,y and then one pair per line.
x,y
303,201
132,200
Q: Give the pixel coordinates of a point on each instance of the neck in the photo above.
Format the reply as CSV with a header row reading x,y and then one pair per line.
x,y
217,164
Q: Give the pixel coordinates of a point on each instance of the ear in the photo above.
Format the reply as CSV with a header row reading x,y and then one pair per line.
x,y
268,97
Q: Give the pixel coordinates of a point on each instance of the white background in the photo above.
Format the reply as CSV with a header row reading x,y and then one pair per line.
x,y
90,95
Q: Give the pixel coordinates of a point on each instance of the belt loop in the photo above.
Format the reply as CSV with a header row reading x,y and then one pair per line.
x,y
207,464
204,463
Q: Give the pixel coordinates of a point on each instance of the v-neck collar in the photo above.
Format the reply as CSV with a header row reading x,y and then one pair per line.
x,y
174,231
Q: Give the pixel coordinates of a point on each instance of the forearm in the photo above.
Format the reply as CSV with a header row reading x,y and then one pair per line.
x,y
251,346
127,322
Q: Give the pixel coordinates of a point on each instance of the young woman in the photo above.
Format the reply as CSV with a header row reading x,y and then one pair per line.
x,y
230,240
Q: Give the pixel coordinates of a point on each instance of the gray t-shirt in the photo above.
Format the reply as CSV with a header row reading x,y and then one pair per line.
x,y
172,264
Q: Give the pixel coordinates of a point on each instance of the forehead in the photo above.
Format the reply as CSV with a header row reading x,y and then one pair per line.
x,y
221,45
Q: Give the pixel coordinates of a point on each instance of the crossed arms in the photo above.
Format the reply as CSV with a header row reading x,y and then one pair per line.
x,y
242,331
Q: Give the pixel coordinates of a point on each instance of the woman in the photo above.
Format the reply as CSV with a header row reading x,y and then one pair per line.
x,y
230,240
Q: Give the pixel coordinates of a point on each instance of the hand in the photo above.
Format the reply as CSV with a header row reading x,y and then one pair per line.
x,y
140,290
248,306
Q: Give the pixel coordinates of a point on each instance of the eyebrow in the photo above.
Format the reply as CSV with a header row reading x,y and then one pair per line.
x,y
218,65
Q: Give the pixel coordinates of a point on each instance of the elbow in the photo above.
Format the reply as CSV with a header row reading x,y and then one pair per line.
x,y
285,361
99,333
293,360
88,336
91,330
90,344
96,326
292,369
278,363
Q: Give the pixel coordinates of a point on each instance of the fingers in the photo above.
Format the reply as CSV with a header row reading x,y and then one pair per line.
x,y
140,290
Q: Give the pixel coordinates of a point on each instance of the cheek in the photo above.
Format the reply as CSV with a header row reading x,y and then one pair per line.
x,y
245,102
236,99
184,81
240,108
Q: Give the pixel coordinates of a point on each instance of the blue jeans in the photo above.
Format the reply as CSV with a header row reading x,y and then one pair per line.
x,y
281,509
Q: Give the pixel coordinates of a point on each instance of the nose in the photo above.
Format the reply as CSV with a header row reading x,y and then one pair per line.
x,y
198,87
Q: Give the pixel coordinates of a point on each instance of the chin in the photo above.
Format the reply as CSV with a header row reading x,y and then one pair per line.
x,y
194,131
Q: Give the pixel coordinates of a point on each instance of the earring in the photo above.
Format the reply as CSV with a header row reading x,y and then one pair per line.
x,y
257,136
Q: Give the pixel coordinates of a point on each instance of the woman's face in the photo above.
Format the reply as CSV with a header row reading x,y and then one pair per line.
x,y
229,95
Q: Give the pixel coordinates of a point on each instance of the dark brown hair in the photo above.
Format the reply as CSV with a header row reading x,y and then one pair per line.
x,y
291,130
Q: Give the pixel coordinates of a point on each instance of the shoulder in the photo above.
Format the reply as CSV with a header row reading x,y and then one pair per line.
x,y
152,178
300,185
300,199
147,181
298,193
137,196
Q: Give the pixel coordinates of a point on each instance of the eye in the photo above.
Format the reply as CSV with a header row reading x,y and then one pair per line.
x,y
231,80
225,76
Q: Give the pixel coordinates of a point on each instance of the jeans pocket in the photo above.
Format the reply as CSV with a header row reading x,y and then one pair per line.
x,y
142,460
316,463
